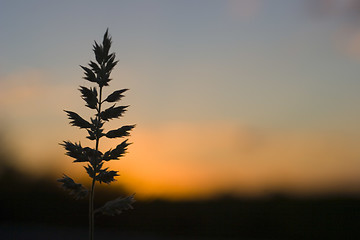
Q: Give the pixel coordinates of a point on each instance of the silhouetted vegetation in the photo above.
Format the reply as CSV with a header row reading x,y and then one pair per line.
x,y
98,72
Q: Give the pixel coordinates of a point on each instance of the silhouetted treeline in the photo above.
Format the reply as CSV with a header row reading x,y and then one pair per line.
x,y
28,201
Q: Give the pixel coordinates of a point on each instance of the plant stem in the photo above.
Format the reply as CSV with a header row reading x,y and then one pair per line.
x,y
92,192
91,211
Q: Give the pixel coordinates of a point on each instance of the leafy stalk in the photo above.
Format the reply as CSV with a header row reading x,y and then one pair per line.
x,y
98,72
92,191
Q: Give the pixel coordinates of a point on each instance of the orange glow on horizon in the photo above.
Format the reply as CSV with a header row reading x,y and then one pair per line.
x,y
167,163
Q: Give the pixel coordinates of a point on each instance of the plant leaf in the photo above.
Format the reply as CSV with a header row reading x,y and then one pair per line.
x,y
92,135
75,150
102,50
115,96
90,96
96,130
111,63
93,156
104,78
120,132
95,67
89,74
81,154
106,43
78,121
116,153
106,176
98,50
112,112
75,189
117,206
90,171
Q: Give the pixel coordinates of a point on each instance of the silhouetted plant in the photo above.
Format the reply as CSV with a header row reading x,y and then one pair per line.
x,y
99,73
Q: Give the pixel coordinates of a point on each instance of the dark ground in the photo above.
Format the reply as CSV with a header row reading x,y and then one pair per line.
x,y
38,209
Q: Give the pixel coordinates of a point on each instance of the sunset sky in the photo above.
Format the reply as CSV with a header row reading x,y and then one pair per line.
x,y
242,97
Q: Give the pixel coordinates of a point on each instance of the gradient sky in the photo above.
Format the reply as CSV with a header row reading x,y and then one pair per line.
x,y
247,96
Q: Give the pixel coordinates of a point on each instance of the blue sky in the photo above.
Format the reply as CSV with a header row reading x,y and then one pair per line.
x,y
255,74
